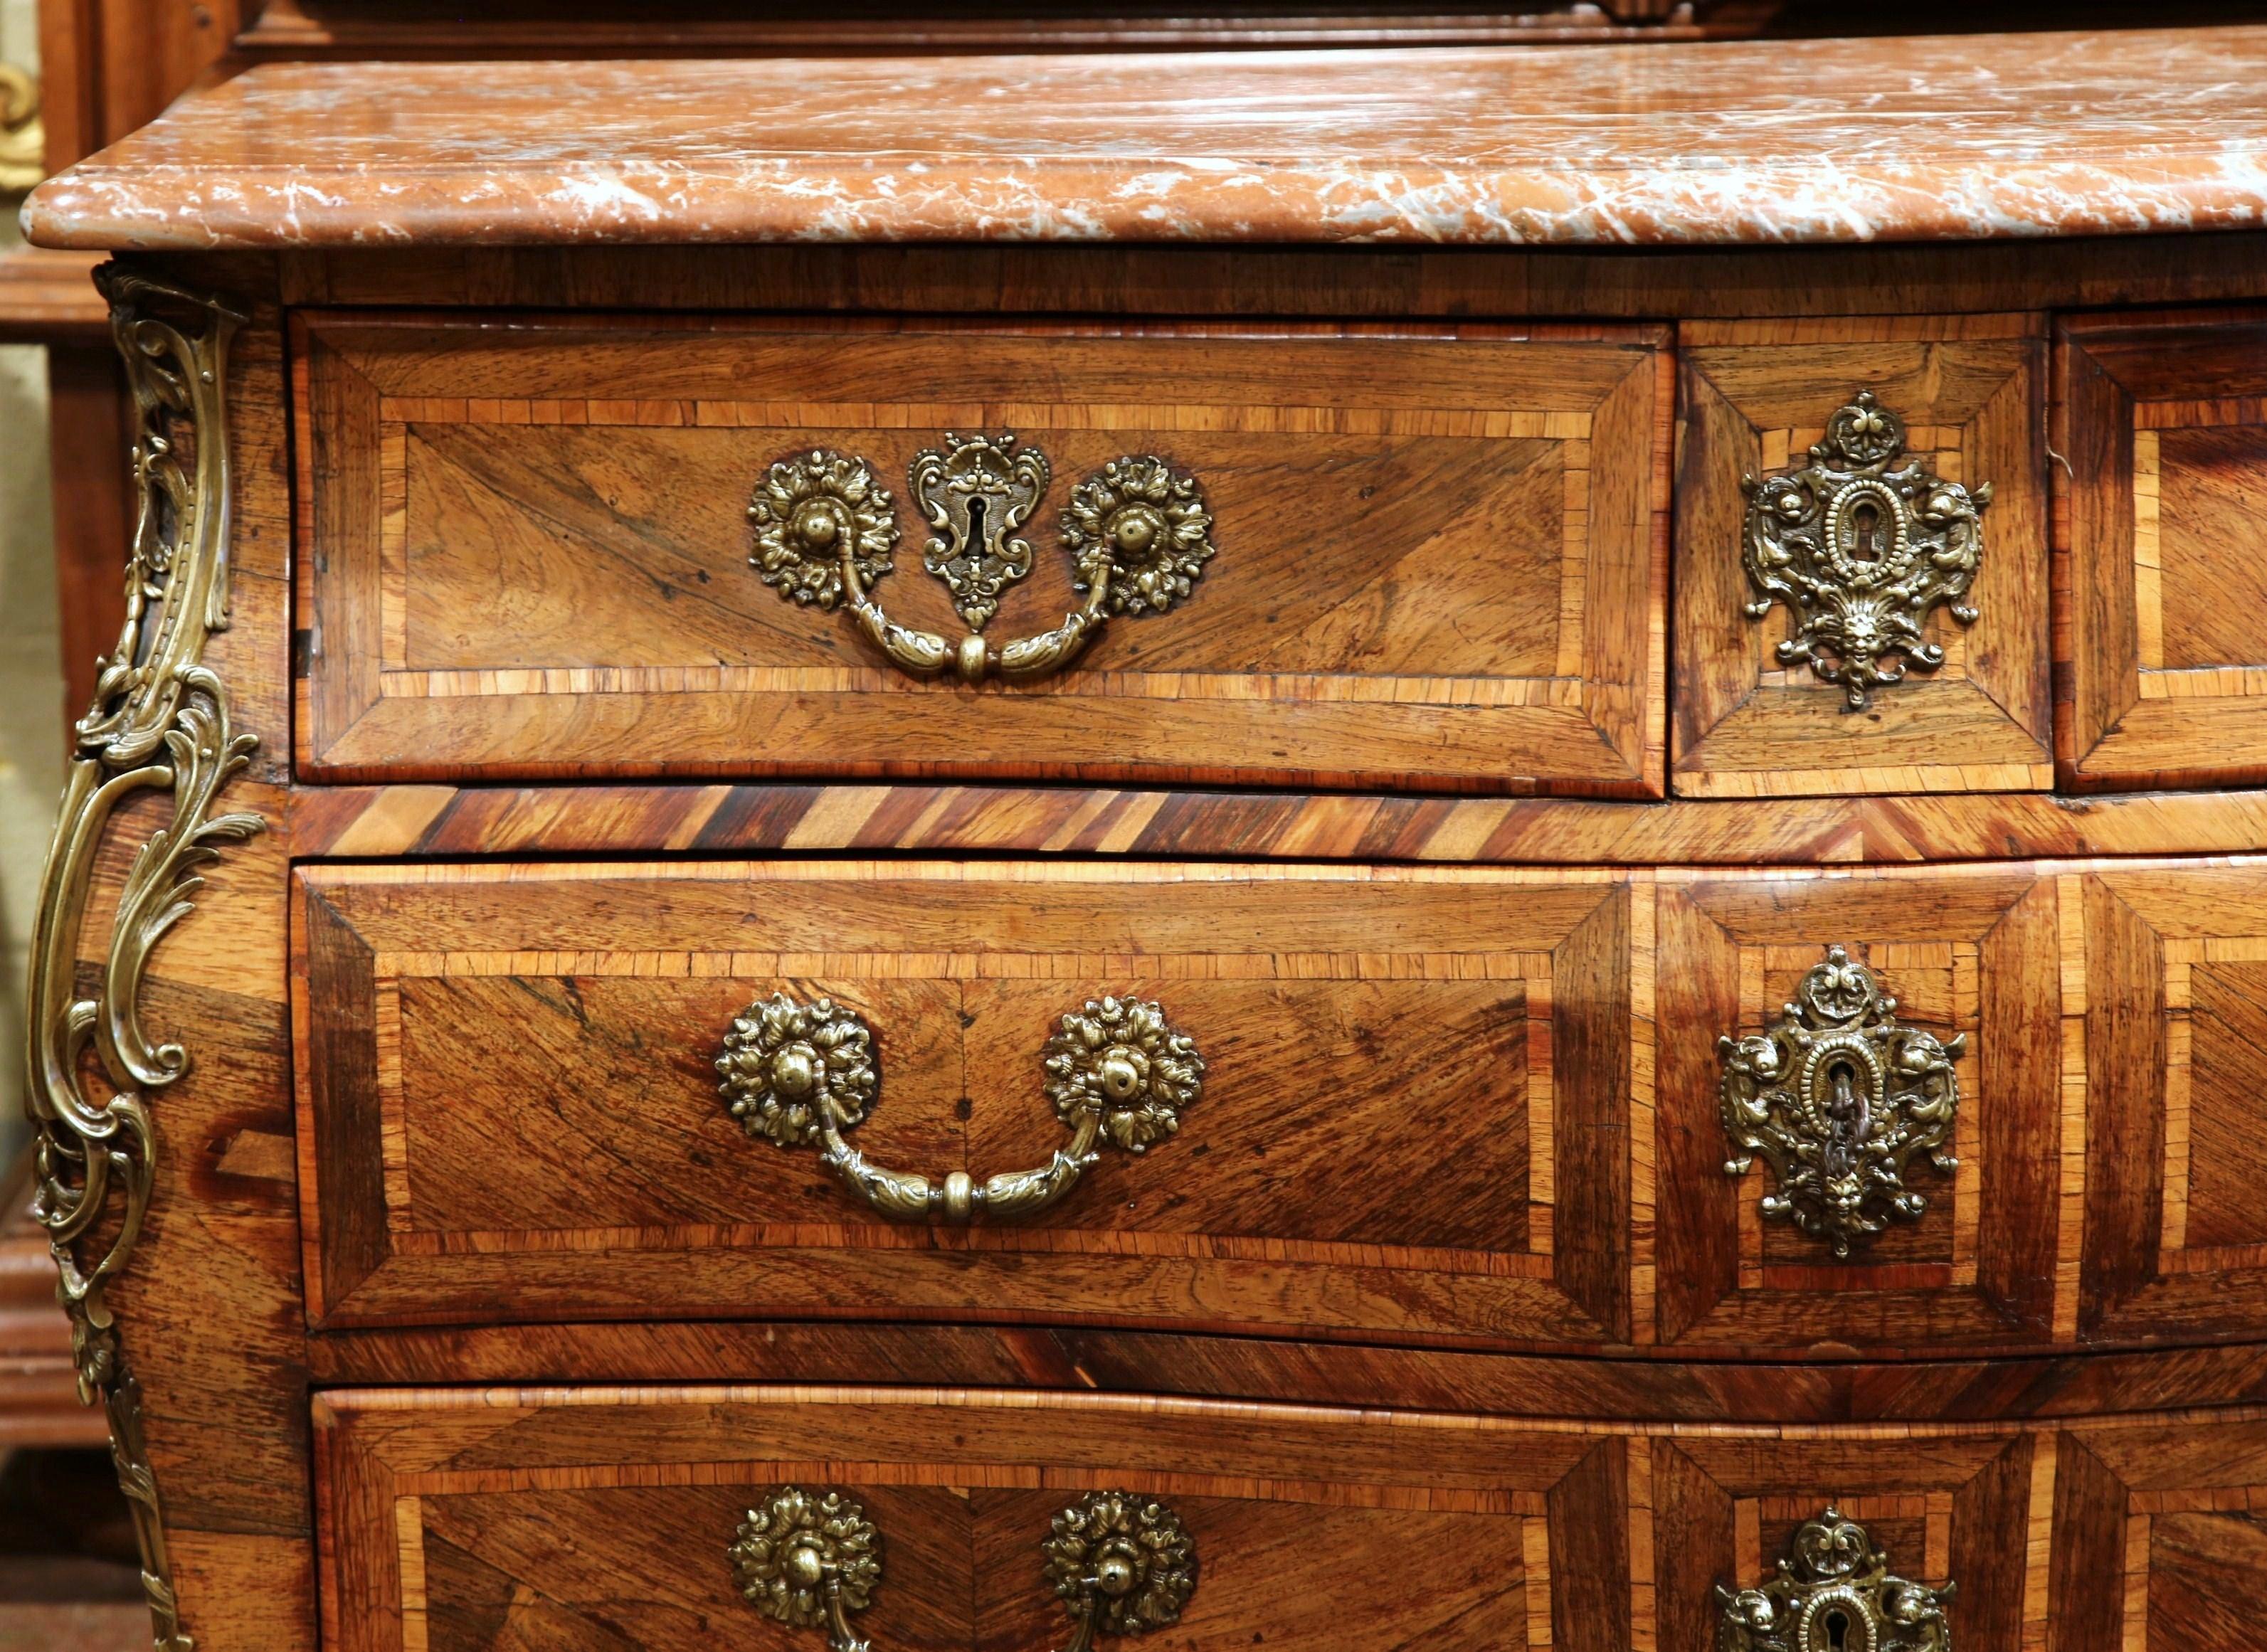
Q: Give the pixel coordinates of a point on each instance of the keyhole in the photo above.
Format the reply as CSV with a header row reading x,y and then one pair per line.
x,y
1837,1630
1865,529
975,526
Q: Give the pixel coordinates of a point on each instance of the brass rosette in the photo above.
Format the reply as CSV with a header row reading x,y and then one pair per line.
x,y
804,1075
788,1069
811,514
1137,532
1120,1060
805,1557
1120,1563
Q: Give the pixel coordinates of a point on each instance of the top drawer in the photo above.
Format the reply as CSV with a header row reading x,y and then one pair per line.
x,y
1322,557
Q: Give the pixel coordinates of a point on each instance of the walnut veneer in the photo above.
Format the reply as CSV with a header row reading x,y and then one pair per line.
x,y
1452,814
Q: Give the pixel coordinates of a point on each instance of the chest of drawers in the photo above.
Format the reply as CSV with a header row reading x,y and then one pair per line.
x,y
1461,883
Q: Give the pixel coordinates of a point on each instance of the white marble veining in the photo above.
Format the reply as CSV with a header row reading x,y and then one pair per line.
x,y
1824,141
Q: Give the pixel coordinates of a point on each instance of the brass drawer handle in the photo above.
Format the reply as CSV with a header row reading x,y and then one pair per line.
x,y
1834,1593
1138,535
800,1074
1862,553
1122,1564
1837,1097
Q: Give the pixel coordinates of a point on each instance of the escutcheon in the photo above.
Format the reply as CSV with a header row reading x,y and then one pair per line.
x,y
1138,533
801,1074
1838,1097
976,492
1834,1593
1862,550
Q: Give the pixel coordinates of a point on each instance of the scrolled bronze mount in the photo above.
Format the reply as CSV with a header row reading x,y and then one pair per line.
x,y
1138,533
160,723
799,1073
1862,550
1120,1563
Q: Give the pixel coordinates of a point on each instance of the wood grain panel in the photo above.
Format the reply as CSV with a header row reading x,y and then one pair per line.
x,y
2161,1536
452,820
1441,564
1943,1505
1340,1373
1414,1119
563,1019
1009,278
2176,997
1754,396
1970,950
2165,421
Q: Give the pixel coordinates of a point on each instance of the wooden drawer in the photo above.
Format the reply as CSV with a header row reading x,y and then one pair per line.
x,y
1469,1106
1412,1123
1436,562
2163,579
607,1517
1969,393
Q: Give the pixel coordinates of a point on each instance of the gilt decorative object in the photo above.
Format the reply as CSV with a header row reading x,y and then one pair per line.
x,y
800,1074
1837,1099
1138,533
1862,550
159,724
1834,1592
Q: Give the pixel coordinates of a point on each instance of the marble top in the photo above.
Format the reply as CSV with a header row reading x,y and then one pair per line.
x,y
1952,137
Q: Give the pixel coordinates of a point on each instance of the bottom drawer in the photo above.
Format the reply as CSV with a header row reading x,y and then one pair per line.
x,y
617,1519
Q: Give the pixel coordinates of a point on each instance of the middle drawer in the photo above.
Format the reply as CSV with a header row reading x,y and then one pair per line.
x,y
1335,1099
1997,1107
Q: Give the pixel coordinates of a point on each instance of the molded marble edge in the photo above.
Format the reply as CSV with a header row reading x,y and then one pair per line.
x,y
1955,137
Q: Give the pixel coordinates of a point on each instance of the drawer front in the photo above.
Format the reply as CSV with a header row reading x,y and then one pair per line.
x,y
2161,1534
1333,556
624,1518
1786,621
1397,1104
2112,1029
2161,576
1477,1106
1974,959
